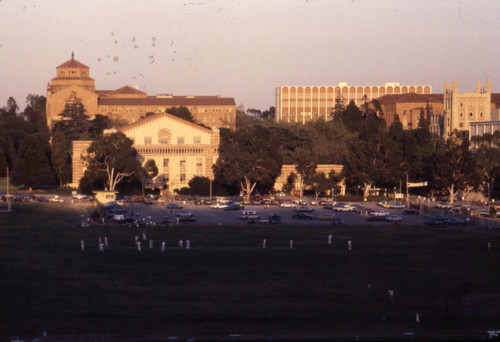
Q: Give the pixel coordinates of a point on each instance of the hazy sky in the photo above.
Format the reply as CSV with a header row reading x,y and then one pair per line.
x,y
245,49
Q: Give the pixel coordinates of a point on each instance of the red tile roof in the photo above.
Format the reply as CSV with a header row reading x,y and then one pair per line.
x,y
126,90
73,63
410,97
173,101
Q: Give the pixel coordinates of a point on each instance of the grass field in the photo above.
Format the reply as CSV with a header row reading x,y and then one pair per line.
x,y
227,284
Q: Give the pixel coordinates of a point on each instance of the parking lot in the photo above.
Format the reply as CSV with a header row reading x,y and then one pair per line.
x,y
208,216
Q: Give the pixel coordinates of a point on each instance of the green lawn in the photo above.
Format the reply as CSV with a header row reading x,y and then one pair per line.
x,y
226,284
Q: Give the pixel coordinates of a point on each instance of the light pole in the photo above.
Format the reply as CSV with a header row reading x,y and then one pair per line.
x,y
407,193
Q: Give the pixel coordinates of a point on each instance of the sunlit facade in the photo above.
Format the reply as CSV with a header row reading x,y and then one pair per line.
x,y
306,103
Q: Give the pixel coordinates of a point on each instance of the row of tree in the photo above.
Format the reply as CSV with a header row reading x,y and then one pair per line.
x,y
251,157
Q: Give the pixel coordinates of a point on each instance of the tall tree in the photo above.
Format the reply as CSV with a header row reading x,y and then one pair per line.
x,y
488,160
248,159
366,164
61,157
75,122
111,158
453,165
32,166
34,113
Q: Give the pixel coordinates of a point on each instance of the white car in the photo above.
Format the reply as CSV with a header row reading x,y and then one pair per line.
x,y
343,207
57,199
79,196
381,213
220,205
393,218
183,214
396,206
288,205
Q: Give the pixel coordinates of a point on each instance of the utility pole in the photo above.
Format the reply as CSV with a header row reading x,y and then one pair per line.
x,y
8,197
407,194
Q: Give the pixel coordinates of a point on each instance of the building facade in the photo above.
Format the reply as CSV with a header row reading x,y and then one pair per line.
x,y
460,109
180,149
410,107
286,170
305,103
128,104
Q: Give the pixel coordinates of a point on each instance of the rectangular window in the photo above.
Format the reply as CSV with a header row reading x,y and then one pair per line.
x,y
165,162
183,177
166,178
182,163
147,140
199,162
164,140
197,140
180,140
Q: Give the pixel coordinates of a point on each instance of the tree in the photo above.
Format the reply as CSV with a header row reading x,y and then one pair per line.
x,y
32,166
351,117
290,183
199,186
181,112
488,160
75,123
269,114
248,159
366,164
61,157
34,113
111,158
147,173
453,165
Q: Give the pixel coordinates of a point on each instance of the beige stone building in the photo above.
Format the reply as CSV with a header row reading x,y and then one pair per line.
x,y
304,103
460,109
409,108
180,149
286,170
127,103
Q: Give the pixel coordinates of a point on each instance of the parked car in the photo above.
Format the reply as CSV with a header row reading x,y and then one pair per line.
x,y
396,206
343,207
384,204
79,196
326,217
184,214
57,199
302,216
454,221
234,206
304,210
393,218
288,205
173,206
411,211
436,220
42,199
271,219
220,205
380,213
372,217
444,205
328,206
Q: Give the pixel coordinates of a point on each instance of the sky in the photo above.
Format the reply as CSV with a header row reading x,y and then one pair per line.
x,y
246,49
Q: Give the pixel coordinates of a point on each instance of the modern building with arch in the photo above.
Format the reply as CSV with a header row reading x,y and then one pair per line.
x,y
306,103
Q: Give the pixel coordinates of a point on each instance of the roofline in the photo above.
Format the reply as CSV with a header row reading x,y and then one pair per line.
x,y
157,116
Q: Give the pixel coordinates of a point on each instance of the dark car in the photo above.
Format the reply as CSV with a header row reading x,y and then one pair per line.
x,y
173,206
304,210
375,218
42,199
234,206
274,219
411,211
436,220
302,216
